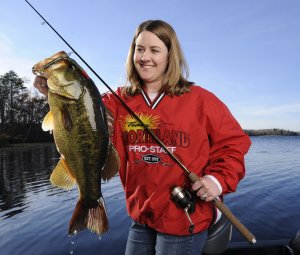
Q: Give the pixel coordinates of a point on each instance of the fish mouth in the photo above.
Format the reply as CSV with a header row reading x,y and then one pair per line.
x,y
38,73
39,68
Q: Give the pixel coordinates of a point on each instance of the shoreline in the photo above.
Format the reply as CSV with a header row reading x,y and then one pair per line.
x,y
41,137
270,132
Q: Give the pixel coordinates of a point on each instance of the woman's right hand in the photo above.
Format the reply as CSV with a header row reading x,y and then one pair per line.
x,y
41,84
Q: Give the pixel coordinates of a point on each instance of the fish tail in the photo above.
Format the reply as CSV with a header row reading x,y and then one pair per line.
x,y
90,215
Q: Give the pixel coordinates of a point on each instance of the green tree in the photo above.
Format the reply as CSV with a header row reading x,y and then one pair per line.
x,y
11,86
21,112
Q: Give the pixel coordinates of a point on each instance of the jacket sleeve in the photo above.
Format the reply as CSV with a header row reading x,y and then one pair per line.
x,y
228,146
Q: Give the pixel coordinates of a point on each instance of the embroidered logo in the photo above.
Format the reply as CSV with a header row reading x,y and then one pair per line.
x,y
130,123
139,141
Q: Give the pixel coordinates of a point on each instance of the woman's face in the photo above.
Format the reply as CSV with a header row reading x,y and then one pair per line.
x,y
150,58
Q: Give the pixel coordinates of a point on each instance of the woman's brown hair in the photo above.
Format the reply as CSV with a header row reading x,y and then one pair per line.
x,y
175,80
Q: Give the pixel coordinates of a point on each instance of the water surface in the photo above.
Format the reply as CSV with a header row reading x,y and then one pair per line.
x,y
34,216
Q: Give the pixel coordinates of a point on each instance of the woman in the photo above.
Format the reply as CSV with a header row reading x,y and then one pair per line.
x,y
193,124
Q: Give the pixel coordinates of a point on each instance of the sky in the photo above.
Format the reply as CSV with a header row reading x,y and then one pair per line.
x,y
246,52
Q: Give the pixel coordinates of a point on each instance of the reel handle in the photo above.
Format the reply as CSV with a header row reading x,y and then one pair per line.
x,y
228,214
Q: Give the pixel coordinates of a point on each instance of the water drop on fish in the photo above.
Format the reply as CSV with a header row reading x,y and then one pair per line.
x,y
99,238
71,252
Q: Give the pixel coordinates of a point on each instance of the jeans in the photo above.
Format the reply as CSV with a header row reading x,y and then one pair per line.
x,y
143,240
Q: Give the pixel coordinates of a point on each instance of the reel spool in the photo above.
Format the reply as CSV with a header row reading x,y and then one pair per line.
x,y
184,199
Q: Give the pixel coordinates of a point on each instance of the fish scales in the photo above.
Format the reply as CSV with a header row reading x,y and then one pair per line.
x,y
78,120
86,146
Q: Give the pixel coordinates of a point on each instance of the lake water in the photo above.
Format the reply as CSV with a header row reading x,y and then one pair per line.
x,y
34,216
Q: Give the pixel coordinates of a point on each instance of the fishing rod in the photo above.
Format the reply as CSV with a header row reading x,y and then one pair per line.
x,y
192,176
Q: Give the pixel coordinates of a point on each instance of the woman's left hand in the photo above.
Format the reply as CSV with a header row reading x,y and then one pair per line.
x,y
206,189
41,84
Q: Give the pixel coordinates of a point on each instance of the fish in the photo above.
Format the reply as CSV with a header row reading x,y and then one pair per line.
x,y
82,130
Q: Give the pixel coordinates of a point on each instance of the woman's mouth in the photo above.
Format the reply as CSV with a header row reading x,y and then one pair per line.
x,y
146,67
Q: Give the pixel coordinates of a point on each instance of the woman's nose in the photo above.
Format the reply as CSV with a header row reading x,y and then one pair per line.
x,y
145,56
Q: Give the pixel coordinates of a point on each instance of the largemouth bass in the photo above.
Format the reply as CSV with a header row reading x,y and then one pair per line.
x,y
81,133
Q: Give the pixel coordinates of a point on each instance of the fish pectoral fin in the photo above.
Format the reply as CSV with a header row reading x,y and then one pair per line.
x,y
48,122
66,118
61,176
90,215
112,164
110,122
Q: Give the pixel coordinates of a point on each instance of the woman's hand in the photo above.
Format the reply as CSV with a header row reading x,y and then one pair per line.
x,y
41,84
206,189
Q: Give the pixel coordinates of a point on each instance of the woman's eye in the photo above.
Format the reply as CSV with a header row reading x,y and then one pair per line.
x,y
139,50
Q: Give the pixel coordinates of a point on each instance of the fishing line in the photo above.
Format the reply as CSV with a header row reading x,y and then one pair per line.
x,y
193,177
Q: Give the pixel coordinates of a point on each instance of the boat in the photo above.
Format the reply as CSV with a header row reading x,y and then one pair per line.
x,y
219,243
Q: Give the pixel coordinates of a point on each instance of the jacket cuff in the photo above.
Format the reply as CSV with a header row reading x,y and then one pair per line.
x,y
215,180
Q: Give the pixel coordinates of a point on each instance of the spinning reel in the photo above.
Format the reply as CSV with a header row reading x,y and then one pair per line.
x,y
185,200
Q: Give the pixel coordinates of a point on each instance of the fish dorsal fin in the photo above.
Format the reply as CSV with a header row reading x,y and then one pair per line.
x,y
61,176
48,122
112,164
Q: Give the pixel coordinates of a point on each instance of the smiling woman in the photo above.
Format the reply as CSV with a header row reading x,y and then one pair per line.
x,y
193,123
150,60
155,52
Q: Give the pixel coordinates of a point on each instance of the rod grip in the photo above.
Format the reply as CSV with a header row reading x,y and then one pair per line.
x,y
234,221
228,214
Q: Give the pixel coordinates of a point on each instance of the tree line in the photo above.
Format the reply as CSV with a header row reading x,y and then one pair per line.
x,y
21,111
273,131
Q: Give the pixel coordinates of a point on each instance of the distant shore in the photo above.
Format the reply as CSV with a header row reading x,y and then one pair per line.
x,y
34,134
273,131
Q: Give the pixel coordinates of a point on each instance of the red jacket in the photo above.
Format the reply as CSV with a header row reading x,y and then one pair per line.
x,y
201,132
